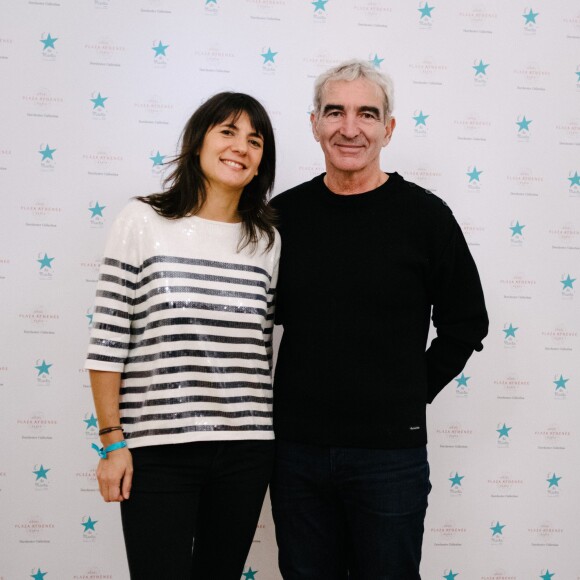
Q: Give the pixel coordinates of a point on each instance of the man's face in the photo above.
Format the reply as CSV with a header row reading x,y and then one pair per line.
x,y
351,126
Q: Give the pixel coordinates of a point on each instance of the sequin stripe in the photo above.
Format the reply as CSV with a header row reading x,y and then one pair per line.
x,y
194,399
128,390
178,304
111,328
192,290
195,353
137,330
104,358
104,277
199,262
121,265
185,337
195,369
189,414
115,296
111,312
196,276
107,343
190,428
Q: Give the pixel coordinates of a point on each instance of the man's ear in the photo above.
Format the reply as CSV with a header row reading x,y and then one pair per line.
x,y
313,122
389,128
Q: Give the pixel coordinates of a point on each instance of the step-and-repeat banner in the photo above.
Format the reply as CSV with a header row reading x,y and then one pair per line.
x,y
94,96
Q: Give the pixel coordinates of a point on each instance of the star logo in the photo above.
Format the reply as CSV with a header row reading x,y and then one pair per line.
x,y
45,262
451,575
574,180
210,2
421,119
39,575
561,382
568,283
547,575
268,56
89,524
510,331
462,381
47,153
97,210
553,481
319,5
530,17
160,49
41,473
99,101
578,75
90,317
517,229
158,159
425,11
523,125
250,574
456,480
480,68
376,61
91,421
43,369
474,174
497,529
48,42
504,431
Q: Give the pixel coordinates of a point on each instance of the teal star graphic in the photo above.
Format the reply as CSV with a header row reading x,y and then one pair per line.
x,y
561,382
517,229
504,431
99,101
319,5
41,473
456,480
158,159
268,56
553,481
530,17
451,575
210,2
47,153
376,61
160,48
425,11
578,75
48,42
497,529
250,574
474,174
547,575
462,380
90,317
523,125
568,282
420,119
89,525
45,262
91,421
43,369
39,575
97,210
480,68
511,331
574,180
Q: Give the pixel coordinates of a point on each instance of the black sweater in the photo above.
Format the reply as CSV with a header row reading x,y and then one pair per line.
x,y
360,276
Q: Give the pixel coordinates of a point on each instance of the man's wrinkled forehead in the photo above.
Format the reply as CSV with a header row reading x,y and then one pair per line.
x,y
360,94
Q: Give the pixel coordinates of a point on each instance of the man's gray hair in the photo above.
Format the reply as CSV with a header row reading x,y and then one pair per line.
x,y
351,70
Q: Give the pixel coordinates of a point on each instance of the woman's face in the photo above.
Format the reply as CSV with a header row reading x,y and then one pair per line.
x,y
230,155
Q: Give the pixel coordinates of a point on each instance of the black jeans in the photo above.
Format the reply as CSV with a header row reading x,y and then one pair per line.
x,y
211,491
349,513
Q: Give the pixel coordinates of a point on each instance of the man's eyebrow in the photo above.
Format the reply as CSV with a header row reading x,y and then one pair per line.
x,y
331,107
369,109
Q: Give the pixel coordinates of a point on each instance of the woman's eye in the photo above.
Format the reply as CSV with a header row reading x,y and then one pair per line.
x,y
227,132
255,143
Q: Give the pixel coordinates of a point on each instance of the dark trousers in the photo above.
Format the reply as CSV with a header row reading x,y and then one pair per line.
x,y
211,491
349,513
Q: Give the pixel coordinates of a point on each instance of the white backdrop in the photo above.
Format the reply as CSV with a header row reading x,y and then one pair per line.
x,y
94,94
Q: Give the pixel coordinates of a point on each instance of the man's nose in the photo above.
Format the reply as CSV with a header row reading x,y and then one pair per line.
x,y
349,128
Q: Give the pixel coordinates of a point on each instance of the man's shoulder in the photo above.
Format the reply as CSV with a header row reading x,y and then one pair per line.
x,y
295,194
420,195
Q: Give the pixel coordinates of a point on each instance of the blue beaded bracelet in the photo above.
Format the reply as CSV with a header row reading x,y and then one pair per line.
x,y
103,452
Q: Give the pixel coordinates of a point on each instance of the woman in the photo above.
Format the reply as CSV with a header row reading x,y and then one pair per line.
x,y
180,351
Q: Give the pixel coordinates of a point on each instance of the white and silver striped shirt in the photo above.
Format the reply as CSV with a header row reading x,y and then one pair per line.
x,y
187,319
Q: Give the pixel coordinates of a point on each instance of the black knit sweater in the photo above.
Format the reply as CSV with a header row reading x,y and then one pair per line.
x,y
360,277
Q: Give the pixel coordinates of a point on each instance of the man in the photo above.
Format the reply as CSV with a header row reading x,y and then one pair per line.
x,y
367,258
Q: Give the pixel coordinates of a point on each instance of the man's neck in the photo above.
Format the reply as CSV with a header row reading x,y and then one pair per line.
x,y
343,183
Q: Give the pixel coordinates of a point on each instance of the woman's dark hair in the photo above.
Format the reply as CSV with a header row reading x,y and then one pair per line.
x,y
185,186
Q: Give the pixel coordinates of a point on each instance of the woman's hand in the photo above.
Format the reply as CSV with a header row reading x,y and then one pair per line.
x,y
115,475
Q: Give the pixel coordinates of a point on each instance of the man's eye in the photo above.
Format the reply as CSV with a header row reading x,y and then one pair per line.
x,y
334,113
